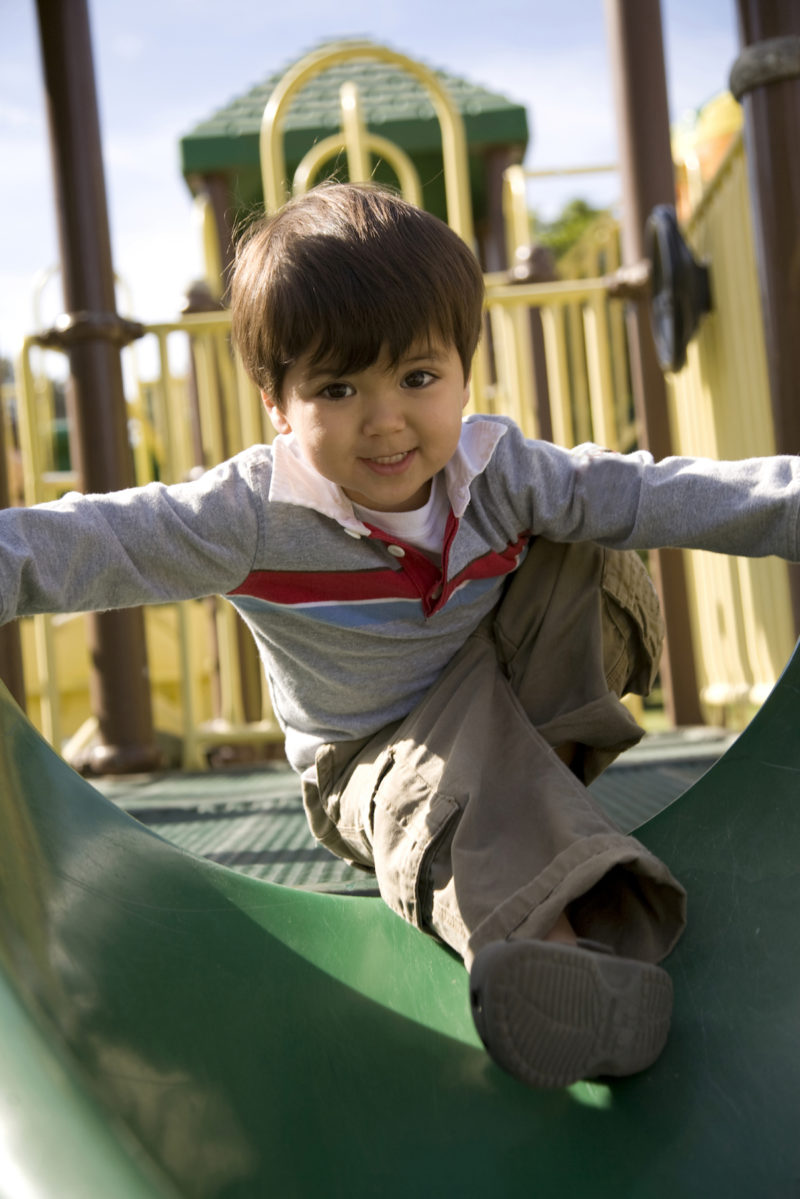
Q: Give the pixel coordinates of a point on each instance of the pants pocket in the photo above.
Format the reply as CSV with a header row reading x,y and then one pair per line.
x,y
340,818
410,819
633,630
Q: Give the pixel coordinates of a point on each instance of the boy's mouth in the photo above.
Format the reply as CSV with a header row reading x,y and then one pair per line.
x,y
389,463
390,459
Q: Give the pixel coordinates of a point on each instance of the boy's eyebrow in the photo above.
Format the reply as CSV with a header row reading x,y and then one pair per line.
x,y
425,356
434,355
316,369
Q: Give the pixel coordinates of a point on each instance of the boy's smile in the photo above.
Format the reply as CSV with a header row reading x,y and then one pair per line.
x,y
381,433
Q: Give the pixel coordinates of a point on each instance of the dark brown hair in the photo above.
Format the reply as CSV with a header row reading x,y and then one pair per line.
x,y
344,272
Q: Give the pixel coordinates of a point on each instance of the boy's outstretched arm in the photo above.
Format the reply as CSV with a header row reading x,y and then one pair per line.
x,y
146,545
627,501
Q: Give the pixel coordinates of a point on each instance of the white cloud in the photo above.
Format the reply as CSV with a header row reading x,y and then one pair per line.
x,y
128,46
19,118
16,309
698,68
157,261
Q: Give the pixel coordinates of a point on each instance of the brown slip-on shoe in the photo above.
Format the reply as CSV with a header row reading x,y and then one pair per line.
x,y
551,1013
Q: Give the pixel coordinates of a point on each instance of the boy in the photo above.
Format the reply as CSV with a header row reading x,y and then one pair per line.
x,y
446,613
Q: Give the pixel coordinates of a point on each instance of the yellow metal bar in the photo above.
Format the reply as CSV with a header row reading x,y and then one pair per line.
x,y
313,161
522,360
191,758
46,683
193,322
253,416
231,707
516,216
579,382
538,295
30,449
167,418
557,374
9,441
514,393
400,162
358,166
225,377
211,417
598,361
205,222
601,168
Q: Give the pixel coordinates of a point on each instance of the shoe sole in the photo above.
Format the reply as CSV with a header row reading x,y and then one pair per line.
x,y
551,1014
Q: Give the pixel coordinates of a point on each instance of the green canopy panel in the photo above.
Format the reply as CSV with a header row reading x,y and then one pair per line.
x,y
173,1028
225,146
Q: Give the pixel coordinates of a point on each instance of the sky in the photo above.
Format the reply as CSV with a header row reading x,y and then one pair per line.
x,y
162,66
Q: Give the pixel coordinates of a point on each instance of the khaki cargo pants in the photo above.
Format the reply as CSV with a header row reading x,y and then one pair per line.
x,y
475,828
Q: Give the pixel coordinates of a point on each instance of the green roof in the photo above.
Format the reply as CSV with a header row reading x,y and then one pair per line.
x,y
393,103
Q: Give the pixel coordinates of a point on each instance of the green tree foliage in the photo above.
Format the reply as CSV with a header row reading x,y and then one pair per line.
x,y
561,234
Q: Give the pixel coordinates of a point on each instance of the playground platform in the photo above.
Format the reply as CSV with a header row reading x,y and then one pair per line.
x,y
251,818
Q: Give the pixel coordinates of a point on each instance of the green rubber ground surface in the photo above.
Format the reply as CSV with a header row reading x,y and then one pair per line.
x,y
251,817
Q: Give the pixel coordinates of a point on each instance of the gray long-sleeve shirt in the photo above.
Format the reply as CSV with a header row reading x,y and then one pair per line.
x,y
352,626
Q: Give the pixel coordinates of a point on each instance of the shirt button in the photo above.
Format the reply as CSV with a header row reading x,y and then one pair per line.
x,y
396,551
354,533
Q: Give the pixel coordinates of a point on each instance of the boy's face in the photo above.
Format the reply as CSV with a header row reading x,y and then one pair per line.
x,y
381,433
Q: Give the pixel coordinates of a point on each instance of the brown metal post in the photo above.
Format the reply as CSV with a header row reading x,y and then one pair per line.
x,y
645,156
93,335
766,79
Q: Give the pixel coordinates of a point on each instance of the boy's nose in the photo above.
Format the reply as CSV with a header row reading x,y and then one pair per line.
x,y
384,414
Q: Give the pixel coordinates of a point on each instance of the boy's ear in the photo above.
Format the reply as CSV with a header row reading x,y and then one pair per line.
x,y
465,400
276,415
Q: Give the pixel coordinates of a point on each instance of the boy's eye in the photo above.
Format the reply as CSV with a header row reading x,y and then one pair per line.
x,y
337,391
419,378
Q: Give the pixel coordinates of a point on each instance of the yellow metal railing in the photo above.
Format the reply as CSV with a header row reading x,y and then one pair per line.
x,y
359,143
720,407
182,424
355,140
588,392
517,211
200,425
585,343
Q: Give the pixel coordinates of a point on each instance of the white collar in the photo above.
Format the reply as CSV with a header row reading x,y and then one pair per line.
x,y
296,481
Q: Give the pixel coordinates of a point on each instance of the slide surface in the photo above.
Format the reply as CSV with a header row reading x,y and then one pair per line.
x,y
173,1028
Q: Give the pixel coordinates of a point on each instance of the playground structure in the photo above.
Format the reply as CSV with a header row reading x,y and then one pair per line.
x,y
175,1029
556,357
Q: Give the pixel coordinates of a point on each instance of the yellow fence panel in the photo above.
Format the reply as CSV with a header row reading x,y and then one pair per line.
x,y
182,420
580,357
720,407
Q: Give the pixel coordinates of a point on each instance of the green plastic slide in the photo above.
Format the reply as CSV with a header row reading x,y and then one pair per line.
x,y
171,1028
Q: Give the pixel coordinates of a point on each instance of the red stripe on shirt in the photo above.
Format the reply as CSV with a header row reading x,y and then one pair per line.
x,y
310,587
418,578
